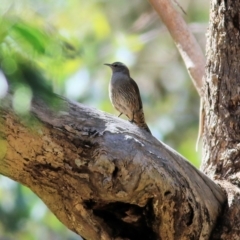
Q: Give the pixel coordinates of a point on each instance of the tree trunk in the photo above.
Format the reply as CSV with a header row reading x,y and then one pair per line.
x,y
105,178
221,160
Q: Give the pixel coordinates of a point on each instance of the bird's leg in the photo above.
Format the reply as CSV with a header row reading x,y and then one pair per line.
x,y
132,121
120,114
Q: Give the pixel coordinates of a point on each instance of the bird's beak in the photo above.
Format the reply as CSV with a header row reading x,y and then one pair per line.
x,y
108,64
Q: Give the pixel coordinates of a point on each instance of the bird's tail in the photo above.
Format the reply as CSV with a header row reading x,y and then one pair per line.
x,y
139,120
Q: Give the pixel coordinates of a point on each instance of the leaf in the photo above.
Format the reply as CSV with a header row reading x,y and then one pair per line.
x,y
35,37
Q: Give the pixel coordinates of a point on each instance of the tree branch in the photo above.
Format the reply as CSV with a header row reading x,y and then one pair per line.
x,y
186,43
105,178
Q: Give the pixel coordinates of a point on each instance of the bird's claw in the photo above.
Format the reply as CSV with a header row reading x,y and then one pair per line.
x,y
131,121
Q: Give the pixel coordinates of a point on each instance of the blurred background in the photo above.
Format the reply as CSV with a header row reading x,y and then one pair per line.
x,y
62,45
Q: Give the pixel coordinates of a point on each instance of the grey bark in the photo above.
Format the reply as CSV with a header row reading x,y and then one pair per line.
x,y
105,178
221,148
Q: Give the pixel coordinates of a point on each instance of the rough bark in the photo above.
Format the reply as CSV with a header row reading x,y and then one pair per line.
x,y
105,178
221,160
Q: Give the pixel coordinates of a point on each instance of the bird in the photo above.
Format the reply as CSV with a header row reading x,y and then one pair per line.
x,y
125,96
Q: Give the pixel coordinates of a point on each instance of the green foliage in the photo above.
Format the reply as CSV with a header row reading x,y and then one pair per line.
x,y
26,49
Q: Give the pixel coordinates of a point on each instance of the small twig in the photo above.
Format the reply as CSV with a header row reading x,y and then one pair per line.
x,y
178,4
188,47
186,43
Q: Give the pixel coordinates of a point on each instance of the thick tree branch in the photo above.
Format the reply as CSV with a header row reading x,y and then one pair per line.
x,y
105,178
186,43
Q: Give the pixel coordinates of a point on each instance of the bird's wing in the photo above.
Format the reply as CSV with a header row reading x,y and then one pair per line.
x,y
136,89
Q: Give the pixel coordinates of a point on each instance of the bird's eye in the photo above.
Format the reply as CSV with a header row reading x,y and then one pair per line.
x,y
115,65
